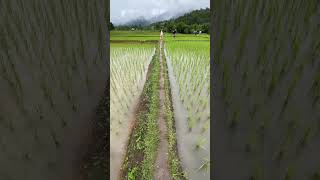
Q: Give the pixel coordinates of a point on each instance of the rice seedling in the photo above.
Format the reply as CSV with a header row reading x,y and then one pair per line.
x,y
190,64
44,62
128,68
274,43
200,143
205,165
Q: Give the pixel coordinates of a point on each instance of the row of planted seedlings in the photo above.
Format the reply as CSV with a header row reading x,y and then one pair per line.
x,y
48,85
142,146
175,168
190,63
128,68
271,83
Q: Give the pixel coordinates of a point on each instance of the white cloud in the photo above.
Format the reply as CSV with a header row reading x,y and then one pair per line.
x,y
123,13
125,10
156,11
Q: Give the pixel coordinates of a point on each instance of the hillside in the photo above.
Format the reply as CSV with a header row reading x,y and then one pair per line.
x,y
201,16
197,20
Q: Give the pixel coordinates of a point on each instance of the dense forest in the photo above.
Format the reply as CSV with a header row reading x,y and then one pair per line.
x,y
197,20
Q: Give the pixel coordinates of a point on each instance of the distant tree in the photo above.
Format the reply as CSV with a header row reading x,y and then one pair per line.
x,y
198,20
194,27
110,26
180,27
170,26
187,29
157,26
205,27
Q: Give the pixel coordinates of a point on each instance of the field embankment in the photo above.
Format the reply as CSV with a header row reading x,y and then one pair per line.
x,y
174,162
161,163
142,145
152,151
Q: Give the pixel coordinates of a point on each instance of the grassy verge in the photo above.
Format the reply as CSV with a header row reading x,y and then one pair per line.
x,y
175,168
143,142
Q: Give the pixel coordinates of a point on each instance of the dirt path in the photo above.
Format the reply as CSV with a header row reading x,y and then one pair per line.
x,y
161,164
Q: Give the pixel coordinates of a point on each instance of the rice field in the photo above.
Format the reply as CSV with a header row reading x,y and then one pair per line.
x,y
139,61
128,68
266,94
190,64
145,36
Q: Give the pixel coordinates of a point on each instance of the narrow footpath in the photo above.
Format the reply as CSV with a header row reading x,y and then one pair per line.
x,y
151,152
141,151
161,164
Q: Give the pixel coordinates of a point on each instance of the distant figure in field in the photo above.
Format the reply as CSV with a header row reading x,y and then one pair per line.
x,y
195,32
161,34
174,33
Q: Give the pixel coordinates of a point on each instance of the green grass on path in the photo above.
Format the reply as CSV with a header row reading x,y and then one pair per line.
x,y
143,142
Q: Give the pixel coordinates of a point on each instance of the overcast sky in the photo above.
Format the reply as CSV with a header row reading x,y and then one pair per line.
x,y
122,11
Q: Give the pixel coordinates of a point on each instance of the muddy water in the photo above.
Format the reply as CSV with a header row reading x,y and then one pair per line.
x,y
118,142
191,158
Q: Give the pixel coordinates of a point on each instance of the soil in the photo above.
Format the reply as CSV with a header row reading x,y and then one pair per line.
x,y
161,165
161,168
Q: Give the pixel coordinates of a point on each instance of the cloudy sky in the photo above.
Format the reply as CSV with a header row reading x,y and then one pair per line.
x,y
122,11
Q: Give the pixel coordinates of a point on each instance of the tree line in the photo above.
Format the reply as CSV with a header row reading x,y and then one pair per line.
x,y
197,20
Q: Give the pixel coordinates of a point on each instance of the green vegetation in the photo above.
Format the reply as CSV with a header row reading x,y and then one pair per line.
x,y
128,68
130,37
190,61
142,147
267,86
190,57
110,26
197,20
174,161
53,59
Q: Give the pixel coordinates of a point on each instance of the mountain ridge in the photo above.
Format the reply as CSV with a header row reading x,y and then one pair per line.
x,y
187,22
142,21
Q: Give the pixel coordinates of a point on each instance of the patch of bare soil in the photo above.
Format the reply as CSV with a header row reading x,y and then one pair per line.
x,y
161,165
